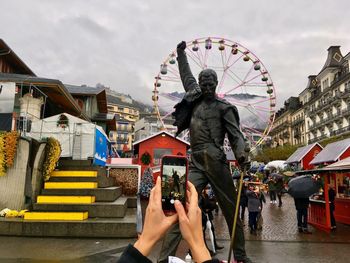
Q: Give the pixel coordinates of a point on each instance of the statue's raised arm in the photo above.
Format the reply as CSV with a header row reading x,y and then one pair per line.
x,y
188,80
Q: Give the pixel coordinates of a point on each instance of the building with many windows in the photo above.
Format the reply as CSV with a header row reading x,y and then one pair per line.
x,y
327,103
125,116
323,109
281,132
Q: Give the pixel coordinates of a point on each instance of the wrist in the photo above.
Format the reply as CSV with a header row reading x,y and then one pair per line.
x,y
200,252
144,246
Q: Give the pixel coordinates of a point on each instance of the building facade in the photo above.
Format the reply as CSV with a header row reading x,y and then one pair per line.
x,y
125,116
323,109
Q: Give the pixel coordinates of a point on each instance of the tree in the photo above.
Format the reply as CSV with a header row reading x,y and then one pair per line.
x,y
147,183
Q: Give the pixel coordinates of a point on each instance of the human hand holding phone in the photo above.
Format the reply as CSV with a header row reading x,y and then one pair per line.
x,y
191,224
155,219
174,171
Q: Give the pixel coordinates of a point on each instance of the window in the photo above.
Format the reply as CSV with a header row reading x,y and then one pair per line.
x,y
158,153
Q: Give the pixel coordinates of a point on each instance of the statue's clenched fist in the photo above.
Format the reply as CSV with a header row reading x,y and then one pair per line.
x,y
182,45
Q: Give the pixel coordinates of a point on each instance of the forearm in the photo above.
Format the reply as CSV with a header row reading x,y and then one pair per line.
x,y
187,78
234,133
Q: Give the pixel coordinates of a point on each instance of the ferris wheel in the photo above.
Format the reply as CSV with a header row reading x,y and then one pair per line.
x,y
243,80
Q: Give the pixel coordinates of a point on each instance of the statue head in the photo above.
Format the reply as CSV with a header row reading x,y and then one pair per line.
x,y
208,80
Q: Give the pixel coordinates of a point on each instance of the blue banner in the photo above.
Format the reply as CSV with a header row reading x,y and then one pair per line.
x,y
101,149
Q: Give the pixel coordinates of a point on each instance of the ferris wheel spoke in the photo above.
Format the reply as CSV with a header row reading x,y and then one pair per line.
x,y
261,101
195,54
238,59
248,73
195,61
174,71
243,83
172,79
224,65
256,113
228,72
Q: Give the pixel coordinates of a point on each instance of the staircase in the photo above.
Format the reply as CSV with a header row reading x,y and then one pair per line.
x,y
78,204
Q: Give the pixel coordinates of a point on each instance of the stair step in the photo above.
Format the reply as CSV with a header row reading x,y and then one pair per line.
x,y
74,174
101,194
73,179
69,185
97,209
57,216
52,199
91,227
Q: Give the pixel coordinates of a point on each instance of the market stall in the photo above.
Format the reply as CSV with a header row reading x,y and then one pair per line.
x,y
337,177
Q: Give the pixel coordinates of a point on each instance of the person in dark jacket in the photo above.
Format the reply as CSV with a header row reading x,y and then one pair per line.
x,y
331,195
302,205
243,201
254,207
190,227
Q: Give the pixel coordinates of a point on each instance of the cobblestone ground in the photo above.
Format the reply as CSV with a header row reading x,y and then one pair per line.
x,y
280,224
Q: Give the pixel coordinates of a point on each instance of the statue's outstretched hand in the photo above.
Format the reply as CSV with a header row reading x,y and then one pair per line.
x,y
182,45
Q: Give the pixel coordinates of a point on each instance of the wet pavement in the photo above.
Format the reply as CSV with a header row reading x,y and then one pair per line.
x,y
279,241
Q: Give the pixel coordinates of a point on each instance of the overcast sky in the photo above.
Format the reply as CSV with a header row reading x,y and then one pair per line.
x,y
122,43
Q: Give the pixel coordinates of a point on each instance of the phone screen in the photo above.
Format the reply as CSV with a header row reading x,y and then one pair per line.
x,y
174,177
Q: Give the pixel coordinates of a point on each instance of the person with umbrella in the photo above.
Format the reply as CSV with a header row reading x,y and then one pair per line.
x,y
302,205
301,188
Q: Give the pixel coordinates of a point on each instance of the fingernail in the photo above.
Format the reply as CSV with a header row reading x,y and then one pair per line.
x,y
177,202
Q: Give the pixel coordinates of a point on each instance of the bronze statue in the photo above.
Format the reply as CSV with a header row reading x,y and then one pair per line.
x,y
209,119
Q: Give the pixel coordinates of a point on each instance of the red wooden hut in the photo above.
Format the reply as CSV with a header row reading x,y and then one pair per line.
x,y
156,146
319,211
302,157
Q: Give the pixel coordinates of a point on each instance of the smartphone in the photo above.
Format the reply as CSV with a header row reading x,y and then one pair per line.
x,y
174,171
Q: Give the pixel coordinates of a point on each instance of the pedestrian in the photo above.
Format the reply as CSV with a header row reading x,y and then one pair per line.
x,y
254,208
260,217
272,190
243,201
279,186
208,205
331,195
302,205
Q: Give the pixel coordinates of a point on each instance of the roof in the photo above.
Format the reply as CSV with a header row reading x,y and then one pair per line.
x,y
83,90
334,58
99,93
300,153
331,152
342,164
159,133
53,88
11,57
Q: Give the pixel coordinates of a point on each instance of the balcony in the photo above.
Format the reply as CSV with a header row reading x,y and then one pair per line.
x,y
340,131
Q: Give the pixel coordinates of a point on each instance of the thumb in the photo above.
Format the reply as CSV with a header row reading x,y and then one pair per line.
x,y
172,219
180,210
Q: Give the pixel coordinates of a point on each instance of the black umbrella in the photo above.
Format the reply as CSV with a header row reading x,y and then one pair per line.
x,y
303,186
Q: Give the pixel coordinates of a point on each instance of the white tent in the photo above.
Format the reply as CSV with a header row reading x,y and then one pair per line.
x,y
277,164
76,136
